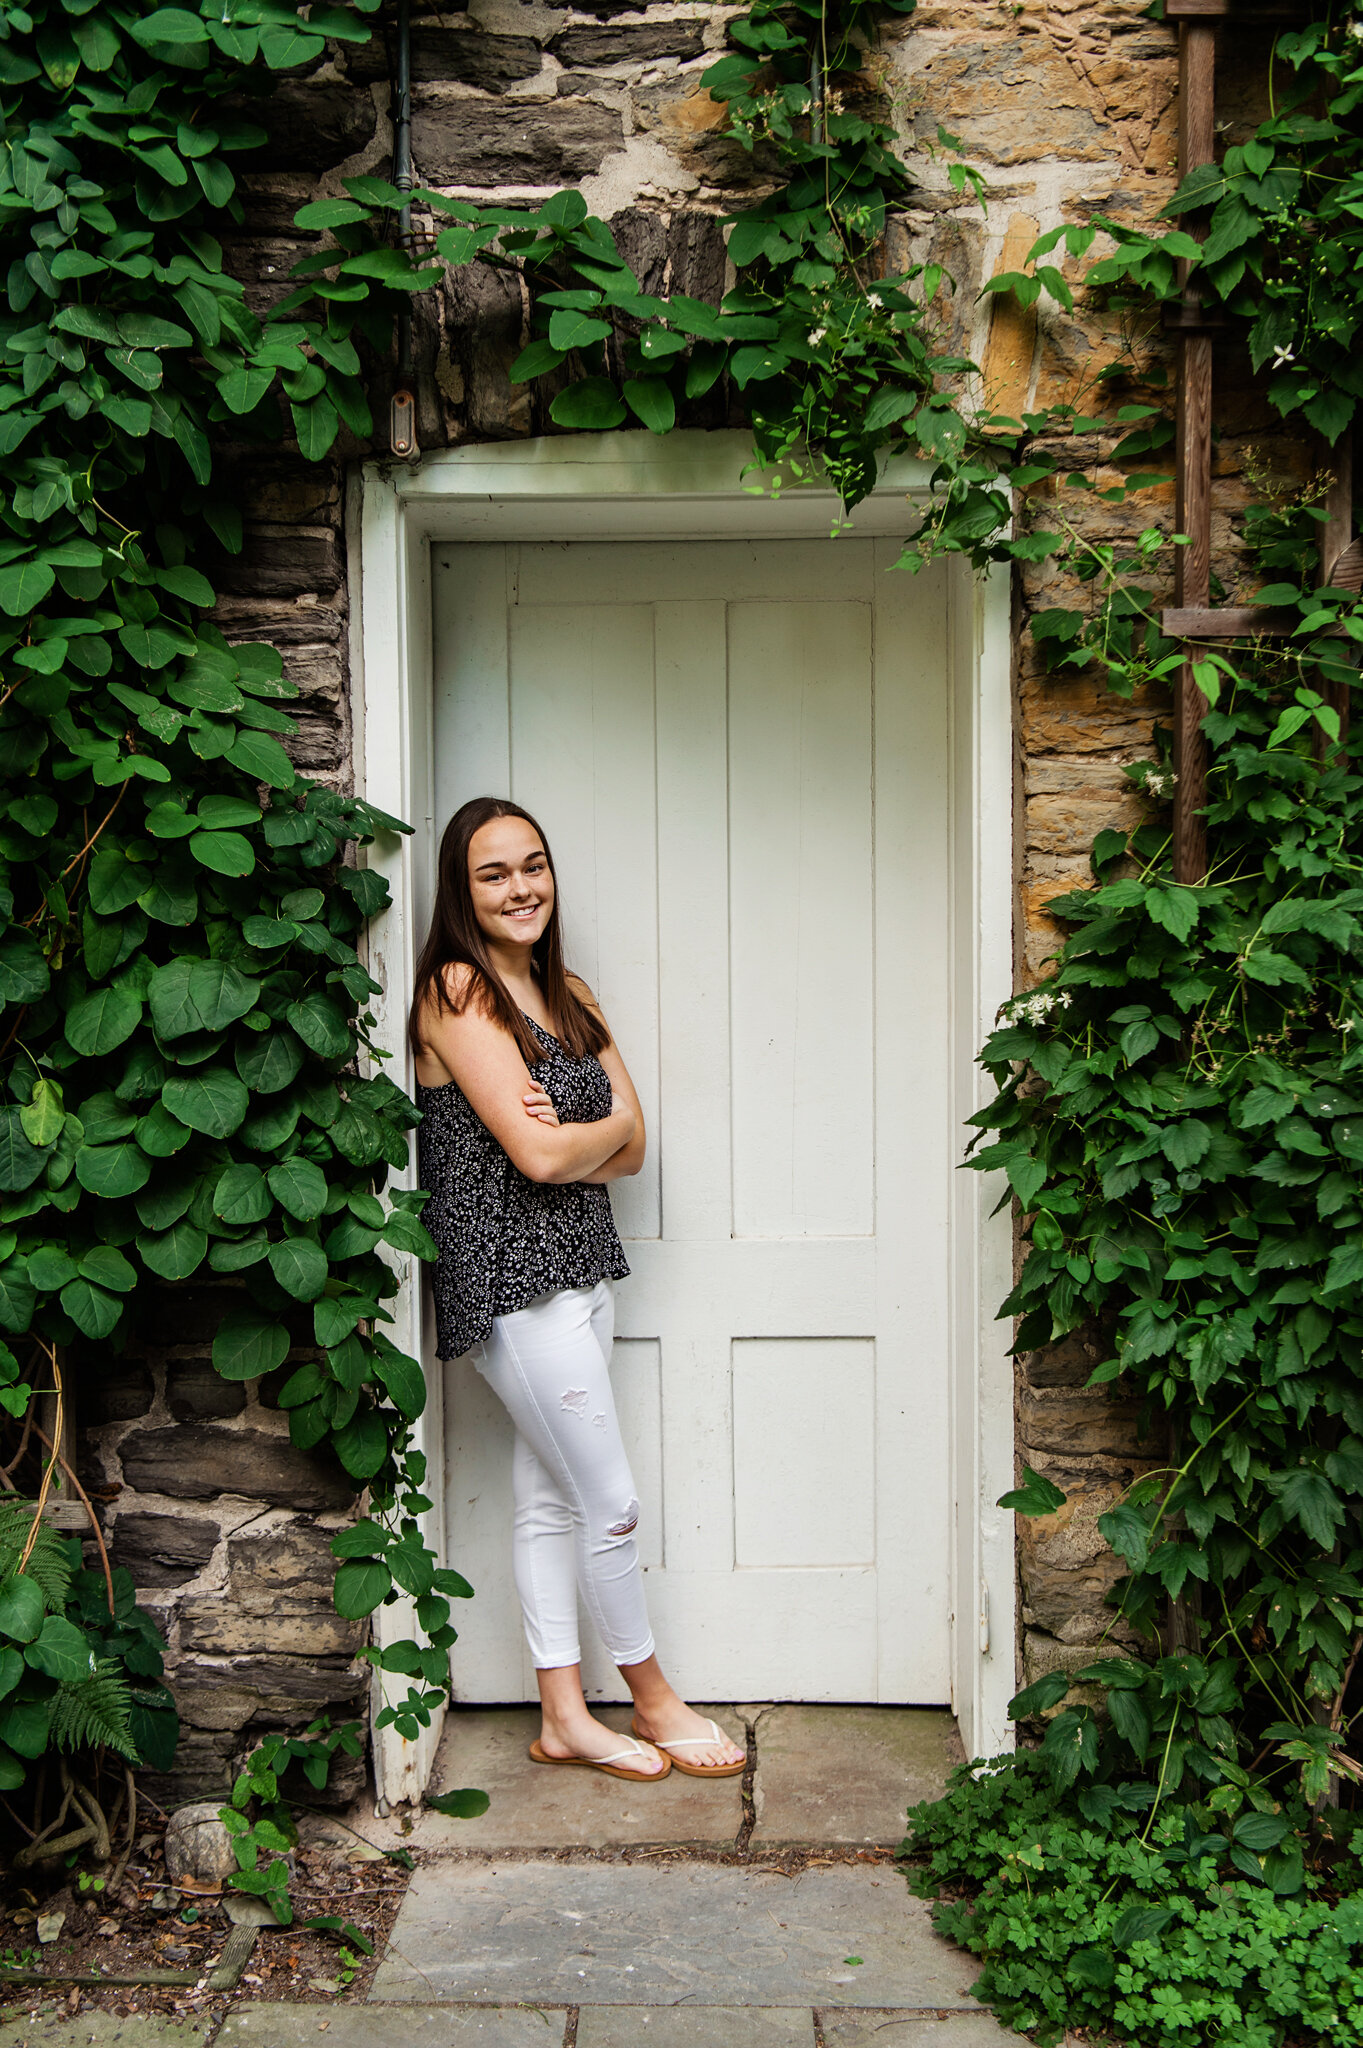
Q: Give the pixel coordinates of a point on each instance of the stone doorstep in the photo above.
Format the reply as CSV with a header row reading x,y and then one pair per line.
x,y
552,1933
537,1807
831,1775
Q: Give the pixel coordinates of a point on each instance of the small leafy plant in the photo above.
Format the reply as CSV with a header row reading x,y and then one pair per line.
x,y
1163,1924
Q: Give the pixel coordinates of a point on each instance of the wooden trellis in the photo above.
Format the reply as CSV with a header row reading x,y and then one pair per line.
x,y
1192,617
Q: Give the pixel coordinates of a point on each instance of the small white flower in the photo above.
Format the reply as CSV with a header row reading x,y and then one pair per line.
x,y
815,336
1283,354
874,299
1356,30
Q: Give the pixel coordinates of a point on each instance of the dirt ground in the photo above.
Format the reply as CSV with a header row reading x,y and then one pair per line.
x,y
59,1923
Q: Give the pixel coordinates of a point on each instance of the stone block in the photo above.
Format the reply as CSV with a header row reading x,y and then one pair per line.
x,y
1076,714
312,125
319,744
706,2026
100,2029
1082,1422
915,2030
694,128
459,140
264,1692
484,317
198,1845
114,1389
1042,1653
848,1774
286,561
646,45
1070,822
1070,1363
673,252
162,1550
693,1933
1066,1566
198,1462
195,1392
275,2025
285,492
534,1807
454,56
203,1768
301,623
1013,97
277,1599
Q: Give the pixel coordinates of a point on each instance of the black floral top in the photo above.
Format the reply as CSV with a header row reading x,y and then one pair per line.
x,y
504,1239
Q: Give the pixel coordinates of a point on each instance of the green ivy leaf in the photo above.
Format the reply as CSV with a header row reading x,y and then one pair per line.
x,y
226,853
214,1102
464,1805
299,1186
362,1584
62,1652
362,1446
175,1253
589,406
300,1266
321,1026
102,1021
248,1345
242,1196
94,1313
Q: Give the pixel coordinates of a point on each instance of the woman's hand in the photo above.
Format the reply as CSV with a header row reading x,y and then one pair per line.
x,y
539,1105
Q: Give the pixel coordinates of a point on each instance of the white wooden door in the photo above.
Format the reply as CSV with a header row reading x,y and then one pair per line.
x,y
739,753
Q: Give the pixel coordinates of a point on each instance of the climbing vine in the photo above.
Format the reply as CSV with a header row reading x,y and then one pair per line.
x,y
190,1084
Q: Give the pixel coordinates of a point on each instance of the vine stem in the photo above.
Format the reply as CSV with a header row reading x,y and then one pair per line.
x,y
50,1470
95,1530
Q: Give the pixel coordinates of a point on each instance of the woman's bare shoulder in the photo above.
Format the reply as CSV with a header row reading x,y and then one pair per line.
x,y
581,990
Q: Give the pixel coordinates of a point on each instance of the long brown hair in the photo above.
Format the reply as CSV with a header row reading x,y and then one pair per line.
x,y
456,938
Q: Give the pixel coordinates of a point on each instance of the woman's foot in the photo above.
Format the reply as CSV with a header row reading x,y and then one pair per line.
x,y
592,1740
691,1736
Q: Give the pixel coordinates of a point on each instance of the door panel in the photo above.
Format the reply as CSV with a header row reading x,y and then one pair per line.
x,y
738,751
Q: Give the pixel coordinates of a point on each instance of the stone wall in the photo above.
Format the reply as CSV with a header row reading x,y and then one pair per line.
x,y
1068,107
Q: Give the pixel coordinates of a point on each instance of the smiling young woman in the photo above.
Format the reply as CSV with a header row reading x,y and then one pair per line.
x,y
528,1115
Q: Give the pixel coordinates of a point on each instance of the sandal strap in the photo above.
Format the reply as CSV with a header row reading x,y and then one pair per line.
x,y
618,1755
693,1741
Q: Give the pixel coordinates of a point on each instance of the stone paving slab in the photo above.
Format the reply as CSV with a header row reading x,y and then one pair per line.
x,y
618,1934
535,1807
367,2026
848,1774
104,2029
707,2026
915,2030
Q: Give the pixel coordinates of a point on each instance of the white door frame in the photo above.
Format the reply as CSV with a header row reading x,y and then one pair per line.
x,y
689,486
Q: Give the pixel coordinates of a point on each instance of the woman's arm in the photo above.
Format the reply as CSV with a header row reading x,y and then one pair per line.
x,y
482,1057
630,1156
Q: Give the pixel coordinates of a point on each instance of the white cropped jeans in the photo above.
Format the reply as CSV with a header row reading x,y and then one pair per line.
x,y
575,1503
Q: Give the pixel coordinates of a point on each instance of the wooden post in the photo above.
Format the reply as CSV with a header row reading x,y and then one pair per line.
x,y
1193,508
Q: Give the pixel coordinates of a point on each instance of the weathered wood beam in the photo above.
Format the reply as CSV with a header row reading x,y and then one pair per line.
x,y
1226,621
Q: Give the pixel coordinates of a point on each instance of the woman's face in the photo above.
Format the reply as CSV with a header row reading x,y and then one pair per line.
x,y
510,882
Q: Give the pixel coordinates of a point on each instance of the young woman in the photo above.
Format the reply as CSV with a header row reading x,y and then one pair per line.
x,y
527,1115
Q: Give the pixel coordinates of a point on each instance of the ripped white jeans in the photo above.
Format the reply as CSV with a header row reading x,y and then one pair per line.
x,y
576,1509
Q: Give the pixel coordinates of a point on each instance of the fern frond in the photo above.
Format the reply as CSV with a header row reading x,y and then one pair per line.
x,y
95,1712
50,1561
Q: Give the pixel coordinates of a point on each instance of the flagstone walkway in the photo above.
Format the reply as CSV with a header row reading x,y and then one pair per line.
x,y
762,1913
586,1912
